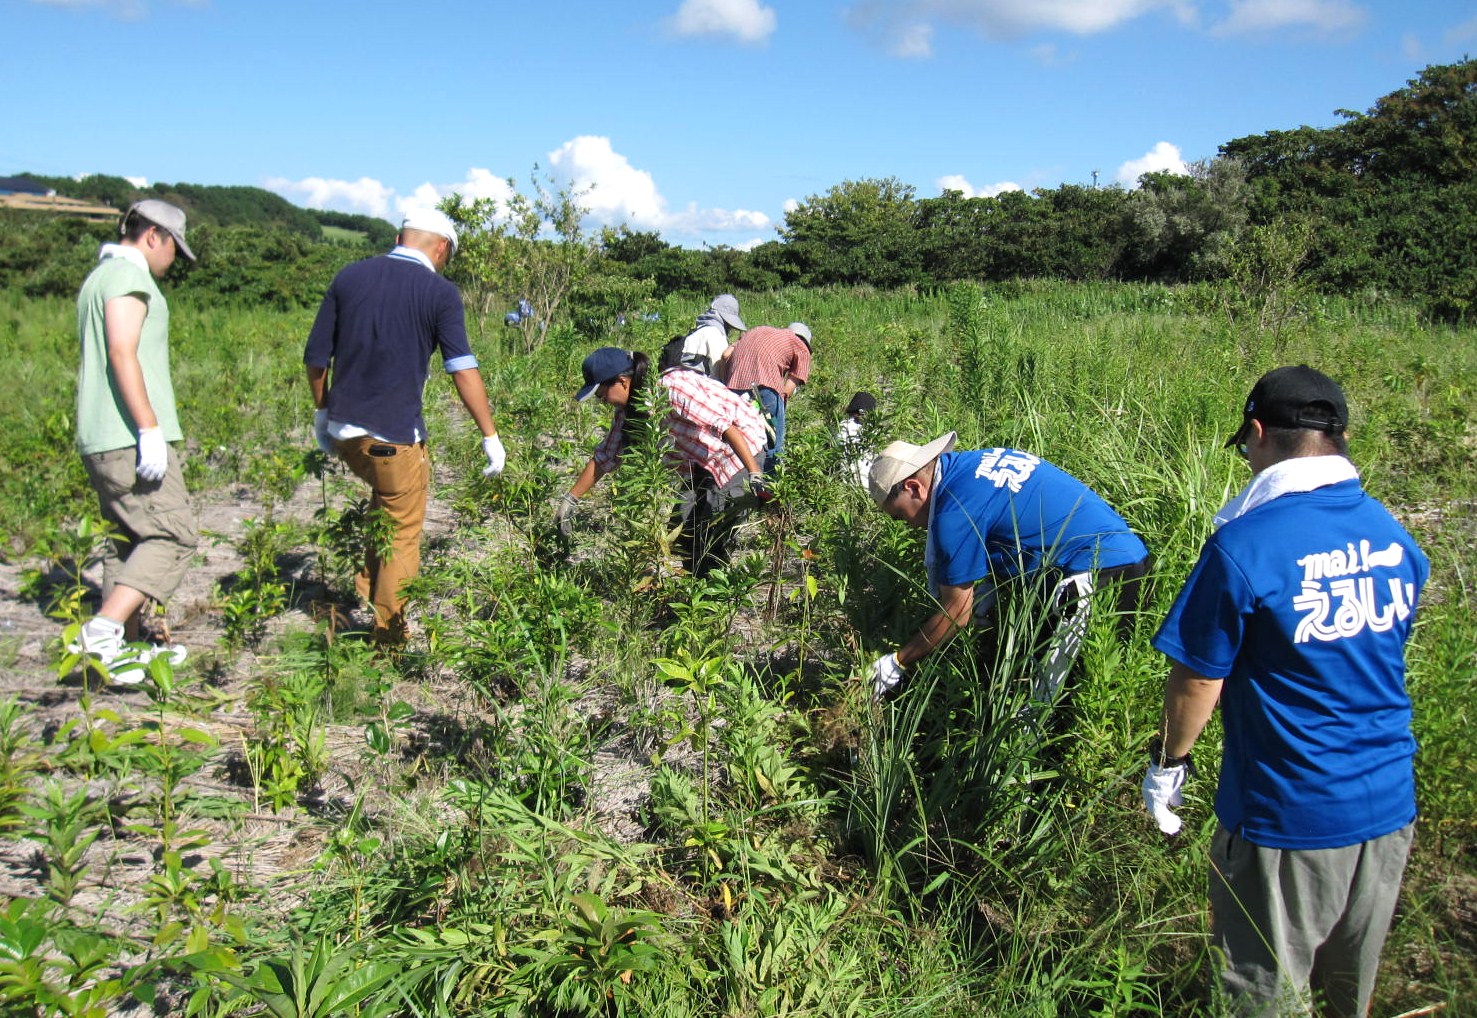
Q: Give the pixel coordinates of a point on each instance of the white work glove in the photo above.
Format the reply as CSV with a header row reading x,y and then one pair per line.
x,y
759,487
320,432
886,673
1161,791
497,457
564,514
153,454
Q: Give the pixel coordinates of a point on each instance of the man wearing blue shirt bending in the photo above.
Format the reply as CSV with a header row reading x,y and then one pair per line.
x,y
377,328
1295,619
994,515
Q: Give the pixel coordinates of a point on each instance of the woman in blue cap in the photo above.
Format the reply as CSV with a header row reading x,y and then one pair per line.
x,y
715,436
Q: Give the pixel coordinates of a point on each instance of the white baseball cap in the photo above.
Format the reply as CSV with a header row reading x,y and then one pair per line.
x,y
902,460
432,221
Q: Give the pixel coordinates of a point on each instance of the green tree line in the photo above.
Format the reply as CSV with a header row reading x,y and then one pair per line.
x,y
1384,204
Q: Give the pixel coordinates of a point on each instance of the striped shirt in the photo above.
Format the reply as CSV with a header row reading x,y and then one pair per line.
x,y
767,356
701,411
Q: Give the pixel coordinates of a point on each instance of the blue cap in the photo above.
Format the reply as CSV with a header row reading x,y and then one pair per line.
x,y
604,365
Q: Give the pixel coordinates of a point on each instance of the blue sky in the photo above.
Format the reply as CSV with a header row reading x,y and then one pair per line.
x,y
701,119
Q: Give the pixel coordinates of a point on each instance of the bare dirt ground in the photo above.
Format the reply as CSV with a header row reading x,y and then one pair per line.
x,y
266,850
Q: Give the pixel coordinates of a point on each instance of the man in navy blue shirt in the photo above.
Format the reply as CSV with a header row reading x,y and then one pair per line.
x,y
376,330
993,515
1295,619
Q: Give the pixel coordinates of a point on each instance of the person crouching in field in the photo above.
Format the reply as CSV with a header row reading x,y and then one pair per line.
x,y
126,422
1295,619
716,437
1005,523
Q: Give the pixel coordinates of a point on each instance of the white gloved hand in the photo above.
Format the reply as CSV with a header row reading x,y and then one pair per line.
x,y
886,673
320,432
1161,791
497,457
564,513
153,454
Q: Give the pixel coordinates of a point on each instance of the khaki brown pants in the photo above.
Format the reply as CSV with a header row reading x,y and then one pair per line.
x,y
155,523
399,478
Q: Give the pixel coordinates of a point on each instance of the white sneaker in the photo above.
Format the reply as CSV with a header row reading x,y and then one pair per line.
x,y
103,639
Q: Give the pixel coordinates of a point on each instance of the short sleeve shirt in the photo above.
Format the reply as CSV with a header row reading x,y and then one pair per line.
x,y
103,421
1003,512
767,356
701,411
1303,607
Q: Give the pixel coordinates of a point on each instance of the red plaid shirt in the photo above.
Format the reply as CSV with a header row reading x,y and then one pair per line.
x,y
701,411
767,356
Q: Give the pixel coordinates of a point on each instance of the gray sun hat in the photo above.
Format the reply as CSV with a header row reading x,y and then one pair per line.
x,y
802,330
169,218
901,460
726,305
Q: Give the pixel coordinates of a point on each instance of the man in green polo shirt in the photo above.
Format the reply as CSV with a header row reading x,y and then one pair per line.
x,y
126,421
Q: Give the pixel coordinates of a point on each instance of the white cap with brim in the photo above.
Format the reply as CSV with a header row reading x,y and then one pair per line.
x,y
902,460
431,221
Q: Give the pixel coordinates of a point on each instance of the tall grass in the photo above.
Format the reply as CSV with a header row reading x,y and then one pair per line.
x,y
783,845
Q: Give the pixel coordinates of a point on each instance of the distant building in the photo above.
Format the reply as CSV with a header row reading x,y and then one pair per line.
x,y
22,185
25,193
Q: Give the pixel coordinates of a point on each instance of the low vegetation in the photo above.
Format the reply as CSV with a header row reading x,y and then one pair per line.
x,y
596,786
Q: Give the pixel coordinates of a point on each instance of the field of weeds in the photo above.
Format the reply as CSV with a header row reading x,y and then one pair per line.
x,y
596,786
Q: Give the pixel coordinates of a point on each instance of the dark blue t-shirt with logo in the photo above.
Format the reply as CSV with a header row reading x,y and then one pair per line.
x,y
1303,606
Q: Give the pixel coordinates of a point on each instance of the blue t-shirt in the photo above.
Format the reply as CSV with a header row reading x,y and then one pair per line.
x,y
1002,512
378,325
1303,606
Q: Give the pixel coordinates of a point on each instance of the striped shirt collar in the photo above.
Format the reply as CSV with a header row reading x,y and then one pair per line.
x,y
410,254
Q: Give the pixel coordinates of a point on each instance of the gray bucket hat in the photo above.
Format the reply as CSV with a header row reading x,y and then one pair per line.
x,y
169,218
726,305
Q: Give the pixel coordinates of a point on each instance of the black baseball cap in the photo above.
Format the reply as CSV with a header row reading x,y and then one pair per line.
x,y
1295,396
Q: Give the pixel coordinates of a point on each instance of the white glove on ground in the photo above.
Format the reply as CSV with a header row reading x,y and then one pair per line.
x,y
886,673
320,432
497,457
153,454
1161,791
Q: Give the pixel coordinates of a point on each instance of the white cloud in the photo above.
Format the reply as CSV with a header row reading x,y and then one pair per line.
x,y
365,195
1163,157
894,20
746,21
914,42
1256,16
790,205
614,192
138,182
956,182
128,10
1465,32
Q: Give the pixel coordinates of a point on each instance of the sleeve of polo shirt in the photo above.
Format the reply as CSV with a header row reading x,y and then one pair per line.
x,y
319,351
451,332
1204,629
801,369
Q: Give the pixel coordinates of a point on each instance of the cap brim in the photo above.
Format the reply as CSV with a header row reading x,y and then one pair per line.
x,y
1240,434
733,322
184,248
586,392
